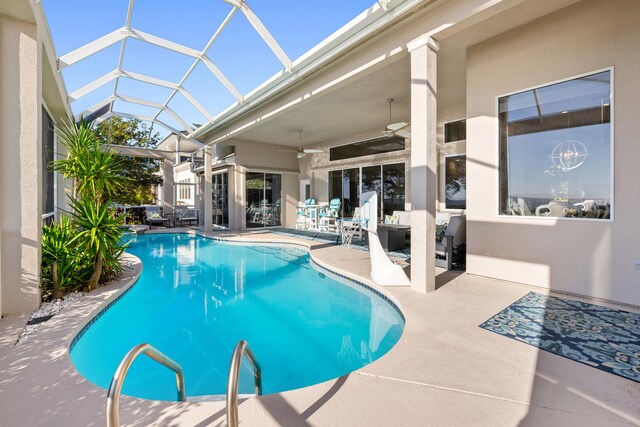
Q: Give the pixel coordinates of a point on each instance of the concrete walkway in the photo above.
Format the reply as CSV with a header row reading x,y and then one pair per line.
x,y
444,371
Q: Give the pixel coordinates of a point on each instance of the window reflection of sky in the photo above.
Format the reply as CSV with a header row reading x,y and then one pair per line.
x,y
574,95
530,170
529,159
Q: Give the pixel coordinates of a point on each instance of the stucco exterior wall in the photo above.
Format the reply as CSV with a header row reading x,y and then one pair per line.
x,y
585,257
20,163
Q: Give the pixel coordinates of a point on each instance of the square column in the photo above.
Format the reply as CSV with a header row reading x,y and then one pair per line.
x,y
423,162
20,165
207,191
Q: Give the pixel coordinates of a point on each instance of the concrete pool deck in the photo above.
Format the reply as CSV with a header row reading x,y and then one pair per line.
x,y
445,370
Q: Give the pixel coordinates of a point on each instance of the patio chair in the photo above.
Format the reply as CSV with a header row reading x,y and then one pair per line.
x,y
553,209
302,213
329,217
451,248
154,216
184,214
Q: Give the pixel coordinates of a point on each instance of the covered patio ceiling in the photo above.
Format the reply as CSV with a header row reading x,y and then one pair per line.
x,y
358,106
146,68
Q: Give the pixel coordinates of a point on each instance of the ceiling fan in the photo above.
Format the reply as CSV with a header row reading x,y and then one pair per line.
x,y
401,129
301,152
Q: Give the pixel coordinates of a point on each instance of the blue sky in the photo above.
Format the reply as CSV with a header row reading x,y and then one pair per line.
x,y
239,52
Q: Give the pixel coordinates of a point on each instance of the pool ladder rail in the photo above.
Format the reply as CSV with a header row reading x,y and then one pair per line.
x,y
115,388
241,350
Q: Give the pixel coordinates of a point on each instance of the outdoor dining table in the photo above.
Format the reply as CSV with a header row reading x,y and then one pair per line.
x,y
392,236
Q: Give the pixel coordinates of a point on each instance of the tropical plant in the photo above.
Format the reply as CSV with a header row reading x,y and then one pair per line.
x,y
94,170
80,252
98,233
64,267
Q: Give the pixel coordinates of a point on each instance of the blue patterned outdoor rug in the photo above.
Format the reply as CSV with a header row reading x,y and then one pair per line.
x,y
597,336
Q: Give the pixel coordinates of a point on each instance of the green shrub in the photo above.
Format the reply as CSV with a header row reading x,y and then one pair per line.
x,y
65,268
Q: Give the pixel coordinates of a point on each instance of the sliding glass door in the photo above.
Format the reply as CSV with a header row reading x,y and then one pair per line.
x,y
220,195
263,199
386,180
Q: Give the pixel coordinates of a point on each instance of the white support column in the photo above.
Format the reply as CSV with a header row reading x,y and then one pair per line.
x,y
207,211
177,158
423,162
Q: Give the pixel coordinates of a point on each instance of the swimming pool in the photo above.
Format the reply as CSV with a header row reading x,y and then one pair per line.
x,y
197,297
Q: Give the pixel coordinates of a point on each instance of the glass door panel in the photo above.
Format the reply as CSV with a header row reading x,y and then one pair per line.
x,y
350,190
393,188
335,188
372,181
221,199
272,202
263,199
254,195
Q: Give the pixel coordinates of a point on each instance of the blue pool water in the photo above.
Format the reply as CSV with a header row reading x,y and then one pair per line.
x,y
197,297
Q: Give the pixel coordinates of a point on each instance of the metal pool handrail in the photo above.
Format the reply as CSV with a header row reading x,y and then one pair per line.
x,y
113,395
234,375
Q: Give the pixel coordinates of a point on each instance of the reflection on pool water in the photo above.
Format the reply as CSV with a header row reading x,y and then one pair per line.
x,y
197,297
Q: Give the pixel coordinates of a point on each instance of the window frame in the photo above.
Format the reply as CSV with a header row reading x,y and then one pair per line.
x,y
496,103
46,215
444,182
444,131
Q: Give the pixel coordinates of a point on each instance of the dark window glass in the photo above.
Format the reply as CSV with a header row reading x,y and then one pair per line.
x,y
367,148
555,149
48,196
335,188
455,188
273,199
372,181
220,194
455,131
350,191
393,188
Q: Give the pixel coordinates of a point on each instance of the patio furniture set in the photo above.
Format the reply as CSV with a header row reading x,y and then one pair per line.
x,y
180,216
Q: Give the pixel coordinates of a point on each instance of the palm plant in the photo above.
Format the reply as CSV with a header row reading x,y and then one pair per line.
x,y
95,171
98,233
64,268
95,233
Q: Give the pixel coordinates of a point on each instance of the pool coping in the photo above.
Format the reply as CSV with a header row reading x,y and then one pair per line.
x,y
413,381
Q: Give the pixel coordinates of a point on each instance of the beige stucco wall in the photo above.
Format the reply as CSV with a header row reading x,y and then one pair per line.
x,y
20,160
586,257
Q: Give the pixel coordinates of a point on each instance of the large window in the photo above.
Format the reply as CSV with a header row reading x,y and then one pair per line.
x,y
367,148
455,187
386,180
555,149
48,177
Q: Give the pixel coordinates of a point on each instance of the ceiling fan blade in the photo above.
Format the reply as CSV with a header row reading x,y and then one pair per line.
x,y
312,150
397,126
301,155
403,133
